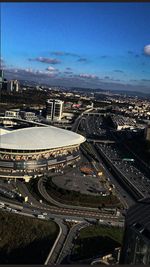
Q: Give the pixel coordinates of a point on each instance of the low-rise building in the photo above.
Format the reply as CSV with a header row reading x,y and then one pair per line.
x,y
12,113
121,122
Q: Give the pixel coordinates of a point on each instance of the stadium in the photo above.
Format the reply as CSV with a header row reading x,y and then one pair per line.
x,y
31,152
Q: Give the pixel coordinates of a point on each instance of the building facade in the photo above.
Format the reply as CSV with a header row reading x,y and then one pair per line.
x,y
54,109
1,78
12,113
13,85
136,244
147,133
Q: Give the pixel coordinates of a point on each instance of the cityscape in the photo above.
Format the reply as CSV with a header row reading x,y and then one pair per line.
x,y
75,134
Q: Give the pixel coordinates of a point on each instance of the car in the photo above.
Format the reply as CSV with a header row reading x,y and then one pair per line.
x,y
44,213
40,216
34,210
8,208
13,210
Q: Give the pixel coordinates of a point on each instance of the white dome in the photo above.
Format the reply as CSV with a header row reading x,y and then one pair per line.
x,y
38,138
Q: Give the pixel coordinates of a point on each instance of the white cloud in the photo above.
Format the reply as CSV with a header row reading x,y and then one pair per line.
x,y
31,72
51,69
85,75
46,60
147,50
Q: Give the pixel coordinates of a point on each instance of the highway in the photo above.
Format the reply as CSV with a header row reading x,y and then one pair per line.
x,y
62,212
128,174
76,124
126,199
65,252
58,244
121,193
131,187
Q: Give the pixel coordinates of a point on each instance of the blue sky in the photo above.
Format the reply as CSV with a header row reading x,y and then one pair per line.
x,y
95,44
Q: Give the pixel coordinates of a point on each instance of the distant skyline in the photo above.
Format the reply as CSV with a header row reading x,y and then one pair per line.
x,y
97,45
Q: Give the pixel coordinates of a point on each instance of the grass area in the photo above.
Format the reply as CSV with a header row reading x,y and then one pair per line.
x,y
96,241
76,198
116,233
25,240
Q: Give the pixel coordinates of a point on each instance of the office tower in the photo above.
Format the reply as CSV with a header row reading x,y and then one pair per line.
x,y
147,132
54,109
10,86
16,86
13,85
1,78
136,245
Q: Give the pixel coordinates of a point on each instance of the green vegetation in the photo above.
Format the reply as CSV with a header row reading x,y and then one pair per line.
x,y
116,233
76,198
96,241
25,240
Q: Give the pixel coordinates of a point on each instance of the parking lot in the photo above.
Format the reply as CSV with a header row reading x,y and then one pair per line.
x,y
77,181
83,184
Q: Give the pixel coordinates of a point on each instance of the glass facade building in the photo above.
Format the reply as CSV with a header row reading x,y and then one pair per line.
x,y
136,245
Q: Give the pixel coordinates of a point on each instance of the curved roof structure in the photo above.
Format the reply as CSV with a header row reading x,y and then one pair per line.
x,y
3,131
39,138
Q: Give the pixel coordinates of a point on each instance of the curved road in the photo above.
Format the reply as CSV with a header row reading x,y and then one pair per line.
x,y
45,195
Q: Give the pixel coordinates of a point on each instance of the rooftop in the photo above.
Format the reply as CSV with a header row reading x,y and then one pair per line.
x,y
39,138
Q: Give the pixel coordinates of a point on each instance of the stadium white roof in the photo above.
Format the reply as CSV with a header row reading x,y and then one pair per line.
x,y
36,138
3,131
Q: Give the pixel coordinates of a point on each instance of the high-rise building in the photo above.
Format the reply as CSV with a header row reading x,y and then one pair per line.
x,y
16,86
13,85
1,78
136,244
147,132
10,86
54,109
